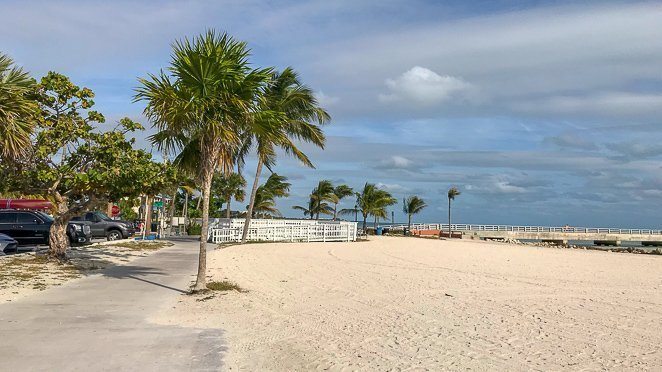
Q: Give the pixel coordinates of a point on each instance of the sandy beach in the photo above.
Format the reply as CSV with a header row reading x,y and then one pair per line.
x,y
410,304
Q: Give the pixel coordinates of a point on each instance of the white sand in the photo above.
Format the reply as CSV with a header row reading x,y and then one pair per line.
x,y
408,303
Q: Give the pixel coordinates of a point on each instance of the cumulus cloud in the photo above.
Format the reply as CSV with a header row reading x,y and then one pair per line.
x,y
395,162
425,87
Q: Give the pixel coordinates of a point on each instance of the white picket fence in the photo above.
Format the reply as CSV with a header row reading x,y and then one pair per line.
x,y
223,230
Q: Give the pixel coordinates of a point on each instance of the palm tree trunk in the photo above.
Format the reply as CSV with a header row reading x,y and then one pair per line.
x,y
227,212
185,210
148,215
335,211
365,222
201,280
409,224
172,210
249,212
449,218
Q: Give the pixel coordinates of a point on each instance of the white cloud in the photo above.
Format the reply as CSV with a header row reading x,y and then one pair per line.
x,y
326,100
395,162
425,87
506,188
393,187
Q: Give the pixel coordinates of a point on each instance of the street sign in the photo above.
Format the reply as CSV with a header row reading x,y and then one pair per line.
x,y
158,204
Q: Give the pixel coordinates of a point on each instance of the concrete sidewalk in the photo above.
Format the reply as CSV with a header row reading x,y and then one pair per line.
x,y
99,323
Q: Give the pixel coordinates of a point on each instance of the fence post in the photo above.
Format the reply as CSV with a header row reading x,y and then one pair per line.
x,y
324,233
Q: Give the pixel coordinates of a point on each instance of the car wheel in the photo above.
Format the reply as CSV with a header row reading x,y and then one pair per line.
x,y
114,235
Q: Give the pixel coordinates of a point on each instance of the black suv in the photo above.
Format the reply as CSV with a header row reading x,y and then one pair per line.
x,y
106,227
32,227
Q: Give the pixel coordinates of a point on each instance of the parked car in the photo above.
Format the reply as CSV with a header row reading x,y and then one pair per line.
x,y
105,227
33,227
7,244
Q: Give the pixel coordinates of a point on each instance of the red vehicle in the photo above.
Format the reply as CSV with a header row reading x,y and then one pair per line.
x,y
30,204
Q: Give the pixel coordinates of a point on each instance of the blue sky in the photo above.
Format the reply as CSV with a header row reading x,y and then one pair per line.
x,y
540,112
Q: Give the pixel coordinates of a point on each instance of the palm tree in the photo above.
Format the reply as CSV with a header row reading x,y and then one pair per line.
x,y
339,193
16,109
276,186
452,193
373,201
229,186
288,112
412,205
320,195
199,106
309,210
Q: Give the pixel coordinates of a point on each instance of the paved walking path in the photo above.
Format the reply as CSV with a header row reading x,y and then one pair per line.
x,y
99,323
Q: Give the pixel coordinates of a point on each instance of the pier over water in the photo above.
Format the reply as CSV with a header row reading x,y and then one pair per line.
x,y
559,235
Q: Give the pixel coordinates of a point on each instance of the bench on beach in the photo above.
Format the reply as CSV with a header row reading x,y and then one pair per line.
x,y
454,235
429,232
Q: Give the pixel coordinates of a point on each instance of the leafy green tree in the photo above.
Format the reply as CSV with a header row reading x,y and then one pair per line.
x,y
411,206
229,186
276,186
17,109
73,164
126,206
288,111
200,108
339,193
453,192
373,201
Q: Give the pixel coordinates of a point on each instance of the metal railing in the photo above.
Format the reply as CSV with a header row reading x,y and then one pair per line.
x,y
527,229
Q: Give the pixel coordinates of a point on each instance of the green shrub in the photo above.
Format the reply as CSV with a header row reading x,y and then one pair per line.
x,y
224,286
194,229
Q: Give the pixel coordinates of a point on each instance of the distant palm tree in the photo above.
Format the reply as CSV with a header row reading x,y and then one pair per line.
x,y
276,186
339,193
412,205
320,195
200,106
373,201
288,112
229,186
16,109
309,210
452,193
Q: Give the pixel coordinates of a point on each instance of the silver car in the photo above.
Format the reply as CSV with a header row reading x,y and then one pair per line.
x,y
7,244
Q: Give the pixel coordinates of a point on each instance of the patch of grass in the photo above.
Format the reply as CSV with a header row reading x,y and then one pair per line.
x,y
224,285
142,245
